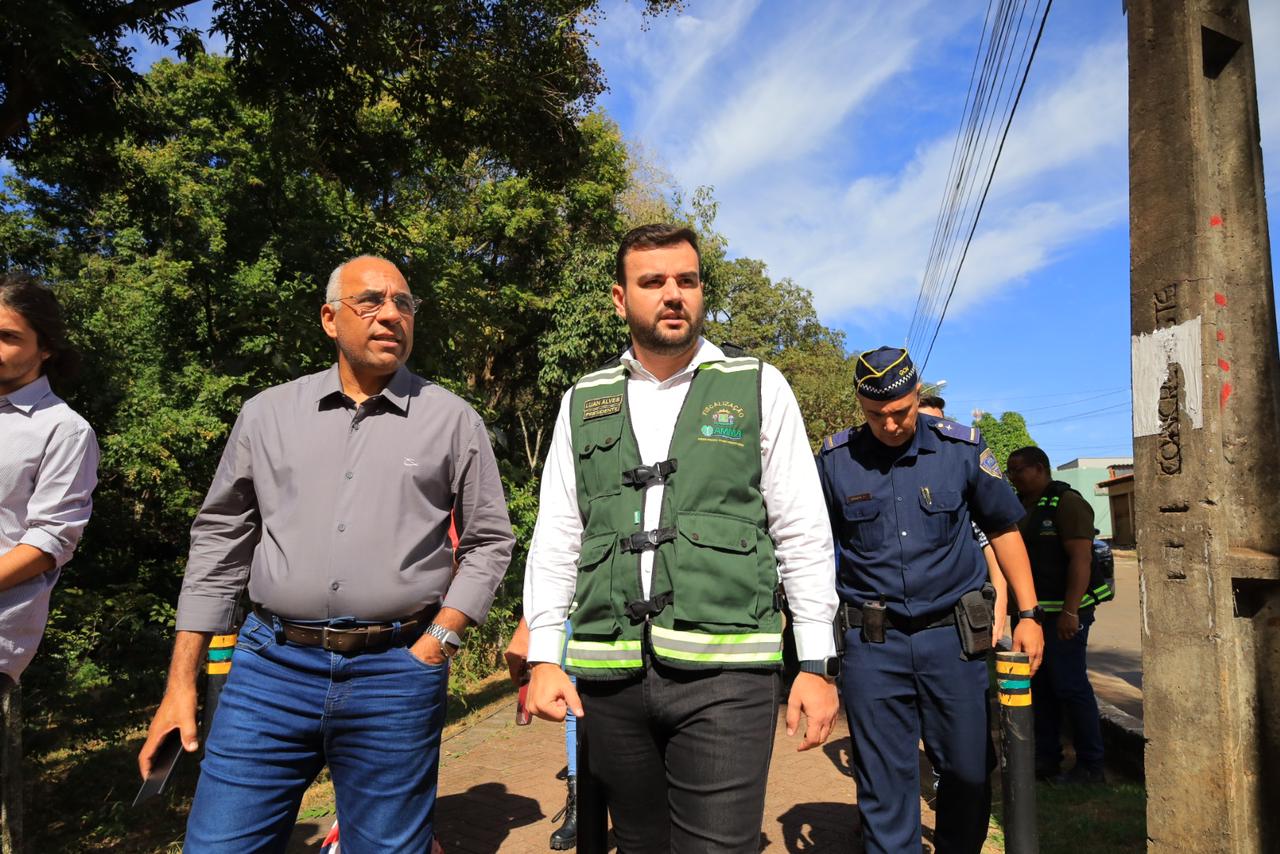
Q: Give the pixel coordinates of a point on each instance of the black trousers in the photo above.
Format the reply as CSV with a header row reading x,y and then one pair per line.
x,y
683,757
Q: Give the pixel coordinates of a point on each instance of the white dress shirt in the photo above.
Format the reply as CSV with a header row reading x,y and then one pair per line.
x,y
48,471
797,516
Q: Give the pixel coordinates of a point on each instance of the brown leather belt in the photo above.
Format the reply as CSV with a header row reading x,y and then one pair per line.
x,y
369,638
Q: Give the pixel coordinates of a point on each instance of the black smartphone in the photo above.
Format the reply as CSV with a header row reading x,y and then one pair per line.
x,y
161,766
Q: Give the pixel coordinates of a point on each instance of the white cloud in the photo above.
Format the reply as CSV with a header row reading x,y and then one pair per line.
x,y
800,90
797,120
862,247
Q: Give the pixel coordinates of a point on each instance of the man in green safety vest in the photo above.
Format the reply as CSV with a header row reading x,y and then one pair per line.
x,y
1058,531
678,491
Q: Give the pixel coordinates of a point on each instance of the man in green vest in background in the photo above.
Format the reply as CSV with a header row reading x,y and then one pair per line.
x,y
1058,531
678,490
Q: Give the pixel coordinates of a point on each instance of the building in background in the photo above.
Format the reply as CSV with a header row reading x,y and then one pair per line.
x,y
1086,474
1120,495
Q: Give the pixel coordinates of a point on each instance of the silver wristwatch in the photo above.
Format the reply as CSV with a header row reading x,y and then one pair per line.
x,y
450,643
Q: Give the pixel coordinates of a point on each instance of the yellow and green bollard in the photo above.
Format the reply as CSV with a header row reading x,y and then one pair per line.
x,y
217,666
1017,753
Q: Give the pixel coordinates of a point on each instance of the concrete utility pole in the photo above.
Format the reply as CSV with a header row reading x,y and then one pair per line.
x,y
1206,423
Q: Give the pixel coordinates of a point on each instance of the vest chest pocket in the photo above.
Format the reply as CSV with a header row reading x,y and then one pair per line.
x,y
716,579
600,459
940,515
863,526
592,612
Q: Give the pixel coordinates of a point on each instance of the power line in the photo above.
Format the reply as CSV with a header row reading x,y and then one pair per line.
x,y
987,189
974,160
1078,415
1021,396
1072,402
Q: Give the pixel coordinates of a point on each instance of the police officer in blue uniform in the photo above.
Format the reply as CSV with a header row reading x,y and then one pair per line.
x,y
901,491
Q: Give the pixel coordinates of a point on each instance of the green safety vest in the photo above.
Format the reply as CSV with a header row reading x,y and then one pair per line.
x,y
711,602
1049,561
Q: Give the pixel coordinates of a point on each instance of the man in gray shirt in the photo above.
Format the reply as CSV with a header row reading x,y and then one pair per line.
x,y
332,504
48,470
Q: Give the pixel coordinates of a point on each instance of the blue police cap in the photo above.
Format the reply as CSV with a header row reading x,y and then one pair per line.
x,y
885,373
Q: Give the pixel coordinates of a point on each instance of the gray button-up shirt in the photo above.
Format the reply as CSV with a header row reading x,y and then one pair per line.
x,y
48,471
331,510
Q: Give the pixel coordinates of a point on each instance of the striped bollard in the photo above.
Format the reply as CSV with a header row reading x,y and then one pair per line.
x,y
218,665
1017,753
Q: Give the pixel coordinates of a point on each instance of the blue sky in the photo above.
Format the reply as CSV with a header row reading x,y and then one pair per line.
x,y
825,129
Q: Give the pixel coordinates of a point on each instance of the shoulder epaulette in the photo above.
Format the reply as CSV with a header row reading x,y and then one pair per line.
x,y
956,431
733,351
838,440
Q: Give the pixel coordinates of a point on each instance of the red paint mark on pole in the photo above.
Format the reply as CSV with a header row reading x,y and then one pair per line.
x,y
1215,221
1222,336
1224,364
1219,299
1226,392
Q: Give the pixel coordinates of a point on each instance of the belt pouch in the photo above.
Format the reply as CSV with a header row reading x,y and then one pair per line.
x,y
975,616
873,617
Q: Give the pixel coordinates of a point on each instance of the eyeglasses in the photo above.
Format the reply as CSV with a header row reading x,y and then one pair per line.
x,y
368,304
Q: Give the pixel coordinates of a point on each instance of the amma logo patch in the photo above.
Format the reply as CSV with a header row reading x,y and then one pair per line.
x,y
721,422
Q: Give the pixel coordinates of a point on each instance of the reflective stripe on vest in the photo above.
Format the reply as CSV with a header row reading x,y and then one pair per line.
x,y
603,654
762,647
1099,594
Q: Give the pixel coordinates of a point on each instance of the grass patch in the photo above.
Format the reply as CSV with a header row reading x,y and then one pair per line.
x,y
1106,819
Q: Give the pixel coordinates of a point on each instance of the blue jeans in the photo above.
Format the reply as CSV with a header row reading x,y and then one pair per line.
x,y
287,710
570,721
1061,685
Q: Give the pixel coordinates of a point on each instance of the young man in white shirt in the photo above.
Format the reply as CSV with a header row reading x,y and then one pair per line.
x,y
679,489
48,471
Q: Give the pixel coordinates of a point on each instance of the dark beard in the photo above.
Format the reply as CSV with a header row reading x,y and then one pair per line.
x,y
648,336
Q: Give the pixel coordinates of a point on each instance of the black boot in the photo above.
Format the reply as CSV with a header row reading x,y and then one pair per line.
x,y
566,836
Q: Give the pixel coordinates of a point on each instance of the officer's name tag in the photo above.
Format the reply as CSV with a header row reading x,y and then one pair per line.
x,y
602,406
861,496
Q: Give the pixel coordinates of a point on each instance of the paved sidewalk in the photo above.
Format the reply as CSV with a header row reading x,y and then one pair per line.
x,y
498,792
1115,642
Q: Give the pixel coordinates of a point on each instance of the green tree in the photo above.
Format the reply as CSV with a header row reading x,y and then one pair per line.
x,y
1005,435
191,255
777,322
510,76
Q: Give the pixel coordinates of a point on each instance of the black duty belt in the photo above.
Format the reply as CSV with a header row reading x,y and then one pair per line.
x,y
642,476
643,541
366,638
852,619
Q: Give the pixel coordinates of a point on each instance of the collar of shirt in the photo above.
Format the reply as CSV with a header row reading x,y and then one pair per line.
x,y
396,393
26,398
706,352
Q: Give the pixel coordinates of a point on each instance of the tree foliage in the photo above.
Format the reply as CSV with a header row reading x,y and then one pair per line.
x,y
511,76
190,241
1004,435
777,322
190,238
